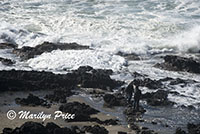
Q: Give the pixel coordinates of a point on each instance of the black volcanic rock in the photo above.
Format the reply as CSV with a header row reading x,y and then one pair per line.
x,y
147,82
88,77
193,128
82,113
95,129
6,62
26,52
34,80
81,110
111,100
180,131
7,46
177,63
158,98
32,100
60,95
51,128
131,56
32,128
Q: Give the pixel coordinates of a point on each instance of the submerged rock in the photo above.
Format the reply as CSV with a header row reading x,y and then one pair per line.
x,y
26,52
6,62
131,56
158,98
32,100
177,63
149,83
7,46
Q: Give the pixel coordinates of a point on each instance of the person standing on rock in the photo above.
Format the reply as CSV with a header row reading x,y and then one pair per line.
x,y
137,97
129,92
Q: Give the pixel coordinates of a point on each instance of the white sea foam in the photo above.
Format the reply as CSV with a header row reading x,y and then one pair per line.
x,y
72,59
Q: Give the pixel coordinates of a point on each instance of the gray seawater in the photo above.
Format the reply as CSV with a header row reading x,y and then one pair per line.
x,y
143,27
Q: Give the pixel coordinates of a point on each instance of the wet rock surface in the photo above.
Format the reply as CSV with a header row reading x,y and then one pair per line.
x,y
158,98
95,129
26,52
88,77
149,83
51,128
14,80
32,100
129,56
111,100
177,63
6,62
7,46
180,131
81,110
193,128
60,95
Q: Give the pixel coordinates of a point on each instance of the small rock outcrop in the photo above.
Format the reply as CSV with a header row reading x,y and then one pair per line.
x,y
177,63
6,62
32,100
111,100
51,128
81,110
158,98
26,52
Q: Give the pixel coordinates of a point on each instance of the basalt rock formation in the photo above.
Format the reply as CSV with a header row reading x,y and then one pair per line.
x,y
177,63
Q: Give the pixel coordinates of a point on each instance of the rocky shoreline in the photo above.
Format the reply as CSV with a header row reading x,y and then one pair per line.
x,y
64,86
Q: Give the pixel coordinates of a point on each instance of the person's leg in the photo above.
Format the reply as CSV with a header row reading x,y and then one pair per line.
x,y
137,104
129,97
134,105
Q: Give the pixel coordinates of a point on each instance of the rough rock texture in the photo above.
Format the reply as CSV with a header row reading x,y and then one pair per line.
x,y
180,131
129,56
7,46
26,52
193,129
35,80
177,63
147,82
32,100
81,110
51,128
133,115
60,95
114,100
88,77
6,62
95,129
158,98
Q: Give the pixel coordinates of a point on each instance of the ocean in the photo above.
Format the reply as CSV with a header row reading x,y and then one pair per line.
x,y
147,28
